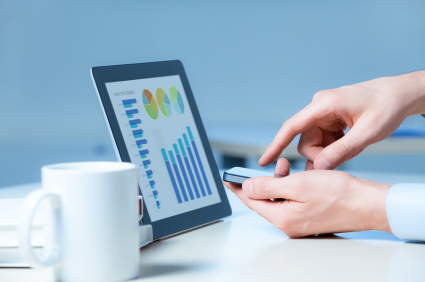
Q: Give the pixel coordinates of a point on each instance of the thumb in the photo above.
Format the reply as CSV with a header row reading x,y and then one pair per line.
x,y
341,150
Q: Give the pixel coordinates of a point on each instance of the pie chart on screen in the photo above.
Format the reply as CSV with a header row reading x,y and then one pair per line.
x,y
150,104
163,102
176,100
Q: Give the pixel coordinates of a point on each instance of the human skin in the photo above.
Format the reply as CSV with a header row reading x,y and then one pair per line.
x,y
373,110
320,200
317,201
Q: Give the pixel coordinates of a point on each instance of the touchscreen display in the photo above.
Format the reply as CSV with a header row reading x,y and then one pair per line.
x,y
162,140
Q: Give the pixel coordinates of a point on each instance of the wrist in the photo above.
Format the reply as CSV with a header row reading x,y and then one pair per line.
x,y
411,89
376,213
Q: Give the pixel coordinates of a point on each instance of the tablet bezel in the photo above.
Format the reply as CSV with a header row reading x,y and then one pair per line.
x,y
178,223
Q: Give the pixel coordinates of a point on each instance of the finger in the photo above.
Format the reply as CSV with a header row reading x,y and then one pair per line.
x,y
310,144
297,124
282,168
309,165
271,188
342,150
265,208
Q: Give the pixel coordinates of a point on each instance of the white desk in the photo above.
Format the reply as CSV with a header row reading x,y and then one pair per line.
x,y
245,247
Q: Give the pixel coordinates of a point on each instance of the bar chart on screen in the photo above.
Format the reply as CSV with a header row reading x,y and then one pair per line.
x,y
131,113
135,123
138,133
185,169
129,103
141,142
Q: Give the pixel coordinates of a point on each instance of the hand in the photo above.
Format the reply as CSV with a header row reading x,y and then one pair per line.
x,y
317,202
373,110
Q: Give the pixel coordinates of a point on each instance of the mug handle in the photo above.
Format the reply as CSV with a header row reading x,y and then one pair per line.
x,y
24,229
140,202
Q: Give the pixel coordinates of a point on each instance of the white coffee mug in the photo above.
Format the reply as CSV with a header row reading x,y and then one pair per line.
x,y
93,224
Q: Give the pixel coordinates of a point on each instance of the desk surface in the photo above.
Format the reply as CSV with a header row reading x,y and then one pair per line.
x,y
246,247
251,140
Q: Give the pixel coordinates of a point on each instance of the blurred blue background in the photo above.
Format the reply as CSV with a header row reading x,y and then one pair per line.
x,y
247,61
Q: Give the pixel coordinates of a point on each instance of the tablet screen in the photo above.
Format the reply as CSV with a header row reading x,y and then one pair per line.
x,y
161,137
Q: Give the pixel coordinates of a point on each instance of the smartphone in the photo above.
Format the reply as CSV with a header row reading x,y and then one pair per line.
x,y
238,175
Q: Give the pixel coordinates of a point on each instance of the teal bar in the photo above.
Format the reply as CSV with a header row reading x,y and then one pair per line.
x,y
133,125
176,150
164,154
173,161
182,147
127,105
185,140
190,132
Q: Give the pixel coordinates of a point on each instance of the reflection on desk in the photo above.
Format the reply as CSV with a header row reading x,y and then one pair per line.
x,y
246,247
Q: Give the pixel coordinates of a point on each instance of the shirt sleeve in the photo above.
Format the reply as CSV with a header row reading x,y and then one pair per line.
x,y
405,207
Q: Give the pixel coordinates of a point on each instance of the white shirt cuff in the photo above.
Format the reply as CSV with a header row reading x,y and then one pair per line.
x,y
405,206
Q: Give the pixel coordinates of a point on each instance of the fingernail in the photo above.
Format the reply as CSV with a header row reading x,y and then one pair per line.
x,y
322,163
247,186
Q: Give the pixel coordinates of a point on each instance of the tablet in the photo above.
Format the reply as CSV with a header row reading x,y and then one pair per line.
x,y
155,124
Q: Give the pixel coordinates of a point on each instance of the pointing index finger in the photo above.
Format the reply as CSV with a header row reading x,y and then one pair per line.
x,y
297,124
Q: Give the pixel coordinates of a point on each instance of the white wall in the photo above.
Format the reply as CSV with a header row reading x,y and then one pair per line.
x,y
256,61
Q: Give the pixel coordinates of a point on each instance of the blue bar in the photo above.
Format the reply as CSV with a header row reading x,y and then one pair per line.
x,y
155,194
201,186
152,182
185,140
170,172
147,162
135,121
190,133
137,132
158,204
201,167
189,169
144,152
182,147
133,111
140,142
129,101
149,172
186,180
164,154
176,170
